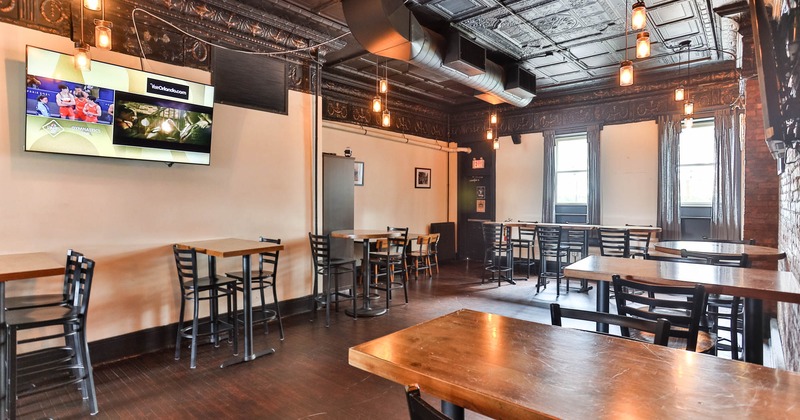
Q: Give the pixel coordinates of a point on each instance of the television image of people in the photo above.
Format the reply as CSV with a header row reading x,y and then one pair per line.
x,y
53,98
161,123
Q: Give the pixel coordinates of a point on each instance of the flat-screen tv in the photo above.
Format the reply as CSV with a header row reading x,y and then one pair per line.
x,y
776,30
116,112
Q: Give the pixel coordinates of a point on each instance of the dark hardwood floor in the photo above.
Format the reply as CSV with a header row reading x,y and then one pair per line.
x,y
308,376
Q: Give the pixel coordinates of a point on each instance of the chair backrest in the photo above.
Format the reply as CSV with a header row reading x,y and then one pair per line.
x,y
268,261
84,274
435,242
731,241
742,260
615,242
639,240
492,234
526,234
397,245
69,274
424,243
320,249
186,263
549,238
659,328
419,409
683,308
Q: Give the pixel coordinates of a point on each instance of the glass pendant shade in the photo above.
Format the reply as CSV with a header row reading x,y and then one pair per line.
x,y
496,144
493,118
626,73
82,58
679,93
94,5
102,34
688,123
384,86
489,134
638,16
688,108
376,104
386,119
643,45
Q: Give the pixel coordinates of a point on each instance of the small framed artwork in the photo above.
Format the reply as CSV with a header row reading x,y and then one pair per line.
x,y
422,177
480,206
358,174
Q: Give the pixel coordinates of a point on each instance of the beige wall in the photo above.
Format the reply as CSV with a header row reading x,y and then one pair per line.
x,y
125,214
629,175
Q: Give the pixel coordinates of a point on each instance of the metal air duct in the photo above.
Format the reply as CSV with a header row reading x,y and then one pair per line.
x,y
387,28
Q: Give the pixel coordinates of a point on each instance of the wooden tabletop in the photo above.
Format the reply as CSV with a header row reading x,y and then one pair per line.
x,y
754,252
510,368
231,247
30,265
365,234
754,283
579,226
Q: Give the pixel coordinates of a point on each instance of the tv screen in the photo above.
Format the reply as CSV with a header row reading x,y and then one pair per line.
x,y
116,112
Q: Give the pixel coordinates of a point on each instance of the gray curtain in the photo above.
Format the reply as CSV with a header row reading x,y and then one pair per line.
x,y
669,189
726,210
593,137
549,188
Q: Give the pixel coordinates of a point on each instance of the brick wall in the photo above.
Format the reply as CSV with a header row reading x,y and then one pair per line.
x,y
788,241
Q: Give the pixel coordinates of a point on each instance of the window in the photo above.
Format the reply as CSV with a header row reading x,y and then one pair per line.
x,y
697,163
572,161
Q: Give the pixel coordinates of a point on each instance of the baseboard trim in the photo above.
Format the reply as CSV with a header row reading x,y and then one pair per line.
x,y
163,337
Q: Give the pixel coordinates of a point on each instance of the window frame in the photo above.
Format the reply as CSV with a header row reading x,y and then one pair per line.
x,y
572,137
699,123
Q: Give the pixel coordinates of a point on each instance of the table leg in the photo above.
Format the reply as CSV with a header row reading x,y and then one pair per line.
x,y
602,302
366,309
453,411
212,274
249,353
753,331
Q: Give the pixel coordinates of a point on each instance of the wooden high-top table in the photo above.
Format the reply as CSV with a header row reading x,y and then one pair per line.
x,y
232,247
750,283
20,267
514,369
754,252
366,235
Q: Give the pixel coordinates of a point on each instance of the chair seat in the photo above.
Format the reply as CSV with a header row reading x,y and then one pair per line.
x,y
47,315
254,275
705,341
204,283
31,301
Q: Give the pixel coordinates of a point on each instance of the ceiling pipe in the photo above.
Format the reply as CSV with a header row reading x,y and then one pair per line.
x,y
387,28
379,134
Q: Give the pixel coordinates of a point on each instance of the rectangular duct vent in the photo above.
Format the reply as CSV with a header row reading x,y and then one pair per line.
x,y
519,81
465,56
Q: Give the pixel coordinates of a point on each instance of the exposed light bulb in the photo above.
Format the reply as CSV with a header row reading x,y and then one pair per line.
x,y
82,58
688,108
626,73
376,104
386,119
643,45
638,16
489,134
102,34
493,118
94,5
679,93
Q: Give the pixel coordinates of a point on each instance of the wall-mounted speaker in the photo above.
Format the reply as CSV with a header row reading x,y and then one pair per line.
x,y
516,138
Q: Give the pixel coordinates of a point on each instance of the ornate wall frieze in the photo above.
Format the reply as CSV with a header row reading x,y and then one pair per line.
x,y
358,113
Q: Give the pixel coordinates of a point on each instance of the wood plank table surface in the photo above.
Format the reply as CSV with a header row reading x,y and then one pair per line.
x,y
365,235
580,226
750,283
754,252
509,368
234,247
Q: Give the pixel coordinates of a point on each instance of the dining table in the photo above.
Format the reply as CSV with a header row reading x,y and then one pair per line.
x,y
510,368
365,235
15,267
245,248
754,252
753,284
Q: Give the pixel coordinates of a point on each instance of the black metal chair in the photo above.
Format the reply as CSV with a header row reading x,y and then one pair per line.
x,y
419,409
552,256
195,289
615,242
524,243
38,301
389,261
330,269
731,306
498,258
660,328
680,305
264,278
639,241
54,366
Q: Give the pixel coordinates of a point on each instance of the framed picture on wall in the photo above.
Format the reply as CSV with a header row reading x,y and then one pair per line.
x,y
359,174
422,177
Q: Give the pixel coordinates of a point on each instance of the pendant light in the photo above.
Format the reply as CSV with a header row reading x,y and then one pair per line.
x,y
680,91
638,16
643,45
102,28
489,134
493,118
496,144
626,73
93,5
688,106
386,117
82,58
376,101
